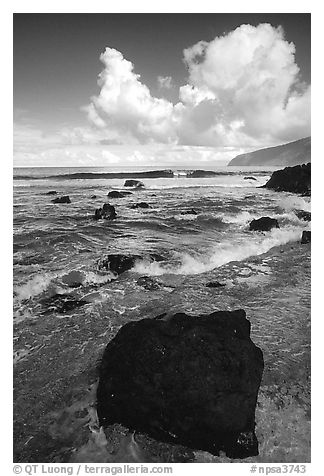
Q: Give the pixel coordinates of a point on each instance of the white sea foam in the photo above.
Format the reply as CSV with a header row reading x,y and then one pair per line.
x,y
222,253
34,286
240,219
295,203
94,278
187,216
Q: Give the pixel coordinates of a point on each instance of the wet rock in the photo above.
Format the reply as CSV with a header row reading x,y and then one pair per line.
x,y
93,197
73,279
117,194
292,179
264,224
118,263
64,199
249,178
107,212
148,283
133,183
189,212
140,205
303,215
191,380
306,237
215,284
61,303
51,192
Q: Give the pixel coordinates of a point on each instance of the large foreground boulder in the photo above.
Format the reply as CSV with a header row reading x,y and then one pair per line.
x,y
191,380
291,179
264,224
107,212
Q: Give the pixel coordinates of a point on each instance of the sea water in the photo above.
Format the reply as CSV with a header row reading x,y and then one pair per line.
x,y
56,351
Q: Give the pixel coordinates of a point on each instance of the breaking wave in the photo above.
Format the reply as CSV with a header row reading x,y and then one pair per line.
x,y
221,254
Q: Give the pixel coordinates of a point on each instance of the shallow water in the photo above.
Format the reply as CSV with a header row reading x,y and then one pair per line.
x,y
267,274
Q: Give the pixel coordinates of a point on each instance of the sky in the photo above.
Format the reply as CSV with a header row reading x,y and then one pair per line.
x,y
157,89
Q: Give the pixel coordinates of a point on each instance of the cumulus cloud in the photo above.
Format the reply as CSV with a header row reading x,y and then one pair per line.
x,y
164,82
124,104
243,90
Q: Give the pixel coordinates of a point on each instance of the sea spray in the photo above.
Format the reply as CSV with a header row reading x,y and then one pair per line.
x,y
221,254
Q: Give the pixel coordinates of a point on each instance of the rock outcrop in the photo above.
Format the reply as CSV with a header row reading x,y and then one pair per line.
x,y
118,263
140,205
133,183
306,237
303,215
64,199
117,194
191,380
107,212
264,224
291,179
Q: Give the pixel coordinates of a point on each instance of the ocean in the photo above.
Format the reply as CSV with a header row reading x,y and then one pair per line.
x,y
199,226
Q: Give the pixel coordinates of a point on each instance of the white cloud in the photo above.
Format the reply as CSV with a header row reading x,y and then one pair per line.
x,y
125,104
241,91
164,82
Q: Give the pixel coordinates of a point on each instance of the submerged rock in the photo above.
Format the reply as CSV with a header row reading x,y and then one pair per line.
x,y
107,212
306,237
118,263
64,199
189,212
215,284
140,205
51,192
93,197
117,194
133,183
291,179
303,215
249,178
191,380
61,303
148,283
264,224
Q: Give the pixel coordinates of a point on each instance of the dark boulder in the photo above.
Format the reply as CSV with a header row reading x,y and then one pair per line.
x,y
93,197
133,183
264,224
291,179
65,199
118,263
117,194
51,192
249,178
107,212
306,237
140,205
215,284
191,380
189,212
303,215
